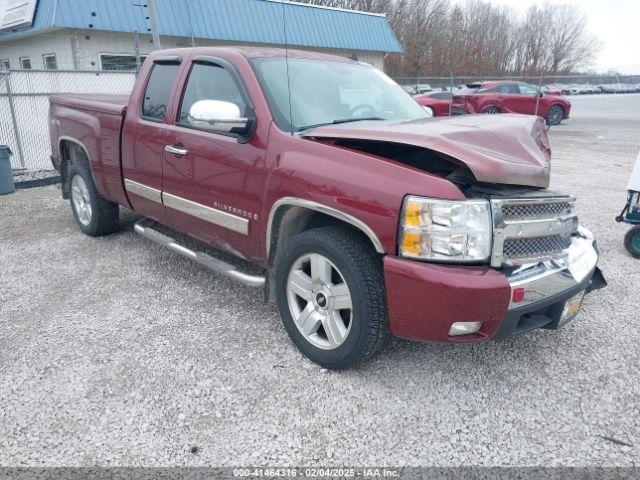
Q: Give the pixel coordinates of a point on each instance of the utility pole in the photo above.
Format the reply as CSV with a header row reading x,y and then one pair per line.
x,y
193,39
153,19
75,51
136,50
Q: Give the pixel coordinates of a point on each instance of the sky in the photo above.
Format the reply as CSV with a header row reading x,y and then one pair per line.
x,y
615,22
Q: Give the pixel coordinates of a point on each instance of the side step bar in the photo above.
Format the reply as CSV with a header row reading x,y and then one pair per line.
x,y
143,227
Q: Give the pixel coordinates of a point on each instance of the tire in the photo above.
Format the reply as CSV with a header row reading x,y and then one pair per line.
x,y
344,259
632,242
95,215
491,110
555,115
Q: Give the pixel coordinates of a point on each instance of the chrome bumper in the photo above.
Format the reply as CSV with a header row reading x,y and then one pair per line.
x,y
546,279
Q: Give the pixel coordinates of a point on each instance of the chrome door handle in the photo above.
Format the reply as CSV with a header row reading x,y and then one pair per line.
x,y
176,150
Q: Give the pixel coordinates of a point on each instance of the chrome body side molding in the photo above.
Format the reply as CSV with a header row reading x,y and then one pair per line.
x,y
208,214
144,228
318,207
203,212
142,190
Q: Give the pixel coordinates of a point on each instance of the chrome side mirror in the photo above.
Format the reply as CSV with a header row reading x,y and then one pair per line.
x,y
219,117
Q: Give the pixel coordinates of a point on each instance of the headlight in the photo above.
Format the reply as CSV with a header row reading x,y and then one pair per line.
x,y
429,111
445,231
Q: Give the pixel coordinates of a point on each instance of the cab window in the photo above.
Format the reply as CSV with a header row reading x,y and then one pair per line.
x,y
210,82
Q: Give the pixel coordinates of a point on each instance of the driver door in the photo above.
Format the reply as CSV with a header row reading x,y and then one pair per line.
x,y
525,100
212,181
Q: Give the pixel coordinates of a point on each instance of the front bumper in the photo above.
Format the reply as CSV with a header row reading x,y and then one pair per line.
x,y
424,299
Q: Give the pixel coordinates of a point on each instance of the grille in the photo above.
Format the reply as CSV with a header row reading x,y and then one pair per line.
x,y
536,247
542,210
531,229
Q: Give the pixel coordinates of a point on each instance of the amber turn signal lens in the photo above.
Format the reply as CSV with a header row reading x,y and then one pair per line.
x,y
411,242
412,212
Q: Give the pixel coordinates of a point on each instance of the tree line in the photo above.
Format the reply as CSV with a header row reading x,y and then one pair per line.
x,y
478,38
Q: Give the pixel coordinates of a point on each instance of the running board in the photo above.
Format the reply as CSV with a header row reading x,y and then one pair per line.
x,y
143,228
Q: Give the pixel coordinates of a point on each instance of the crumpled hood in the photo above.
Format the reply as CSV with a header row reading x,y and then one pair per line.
x,y
509,149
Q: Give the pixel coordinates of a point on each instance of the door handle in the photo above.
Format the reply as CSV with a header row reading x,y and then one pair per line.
x,y
176,150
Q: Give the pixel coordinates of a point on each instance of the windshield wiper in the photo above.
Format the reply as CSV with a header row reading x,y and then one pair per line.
x,y
341,120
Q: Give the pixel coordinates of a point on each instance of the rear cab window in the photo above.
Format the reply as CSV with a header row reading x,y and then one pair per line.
x,y
156,101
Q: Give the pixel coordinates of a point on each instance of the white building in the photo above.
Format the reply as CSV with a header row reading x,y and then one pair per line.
x,y
99,34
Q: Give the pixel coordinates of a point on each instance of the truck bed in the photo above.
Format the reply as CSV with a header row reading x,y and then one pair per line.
x,y
111,104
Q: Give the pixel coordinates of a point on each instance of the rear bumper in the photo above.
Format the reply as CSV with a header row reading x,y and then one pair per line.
x,y
424,299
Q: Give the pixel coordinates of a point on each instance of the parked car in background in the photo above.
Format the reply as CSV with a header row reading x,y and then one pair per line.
x,y
512,97
422,88
551,90
437,104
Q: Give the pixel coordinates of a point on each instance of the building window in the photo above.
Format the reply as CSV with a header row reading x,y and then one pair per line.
x,y
4,64
50,62
119,61
25,63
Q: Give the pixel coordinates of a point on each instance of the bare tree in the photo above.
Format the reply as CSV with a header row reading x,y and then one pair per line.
x,y
477,38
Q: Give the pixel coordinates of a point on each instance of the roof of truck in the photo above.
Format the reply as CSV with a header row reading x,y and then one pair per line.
x,y
255,52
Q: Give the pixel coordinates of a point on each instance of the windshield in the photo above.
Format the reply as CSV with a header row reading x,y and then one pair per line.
x,y
324,92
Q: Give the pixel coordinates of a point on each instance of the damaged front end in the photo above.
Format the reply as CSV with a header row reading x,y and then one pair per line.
x,y
547,258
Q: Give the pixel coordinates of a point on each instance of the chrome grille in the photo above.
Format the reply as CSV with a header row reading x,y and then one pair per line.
x,y
536,246
527,230
542,210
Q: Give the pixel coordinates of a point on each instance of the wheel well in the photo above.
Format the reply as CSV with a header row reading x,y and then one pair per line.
x,y
70,153
290,220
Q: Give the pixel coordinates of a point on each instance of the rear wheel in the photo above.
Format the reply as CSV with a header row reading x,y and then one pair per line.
x,y
555,115
491,110
96,216
331,296
632,242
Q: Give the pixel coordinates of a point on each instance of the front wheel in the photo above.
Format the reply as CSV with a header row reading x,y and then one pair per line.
x,y
632,242
331,296
96,216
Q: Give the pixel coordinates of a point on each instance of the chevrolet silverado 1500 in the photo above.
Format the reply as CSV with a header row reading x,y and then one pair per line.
x,y
367,218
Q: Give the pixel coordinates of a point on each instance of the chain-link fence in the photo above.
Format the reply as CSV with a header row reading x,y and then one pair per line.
x,y
24,107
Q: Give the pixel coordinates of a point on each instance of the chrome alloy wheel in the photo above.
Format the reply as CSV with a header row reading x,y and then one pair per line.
x,y
319,301
81,200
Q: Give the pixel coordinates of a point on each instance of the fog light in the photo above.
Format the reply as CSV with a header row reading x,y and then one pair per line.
x,y
571,307
464,328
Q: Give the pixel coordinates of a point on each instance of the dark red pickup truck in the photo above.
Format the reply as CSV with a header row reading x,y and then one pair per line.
x,y
368,218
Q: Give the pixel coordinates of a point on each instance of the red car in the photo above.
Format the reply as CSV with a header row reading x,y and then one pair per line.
x,y
363,218
512,97
551,90
437,104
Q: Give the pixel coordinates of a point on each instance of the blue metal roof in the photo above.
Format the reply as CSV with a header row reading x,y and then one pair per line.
x,y
255,21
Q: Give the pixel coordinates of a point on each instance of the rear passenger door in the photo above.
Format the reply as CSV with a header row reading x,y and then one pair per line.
x,y
143,139
212,181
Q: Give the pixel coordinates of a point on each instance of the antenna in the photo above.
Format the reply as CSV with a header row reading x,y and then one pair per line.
x,y
286,59
451,84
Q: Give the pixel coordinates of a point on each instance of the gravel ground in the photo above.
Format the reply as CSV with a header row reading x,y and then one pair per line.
x,y
116,352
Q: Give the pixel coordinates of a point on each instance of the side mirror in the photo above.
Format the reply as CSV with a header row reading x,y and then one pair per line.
x,y
219,117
